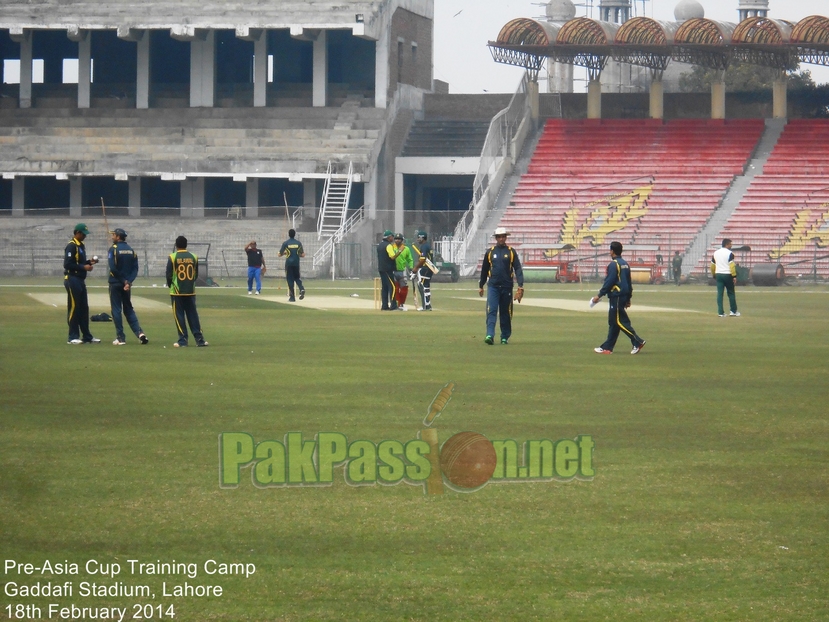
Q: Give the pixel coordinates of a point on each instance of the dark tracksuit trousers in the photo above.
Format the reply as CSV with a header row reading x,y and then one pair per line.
x,y
77,308
618,321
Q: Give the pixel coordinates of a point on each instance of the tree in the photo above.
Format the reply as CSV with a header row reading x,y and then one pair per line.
x,y
742,77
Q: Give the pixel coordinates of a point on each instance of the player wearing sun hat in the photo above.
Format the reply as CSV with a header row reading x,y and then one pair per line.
x,y
501,266
75,267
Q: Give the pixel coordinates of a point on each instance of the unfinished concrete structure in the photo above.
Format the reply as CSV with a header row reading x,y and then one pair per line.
x,y
185,106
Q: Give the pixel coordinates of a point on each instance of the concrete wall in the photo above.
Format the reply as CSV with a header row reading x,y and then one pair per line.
x,y
410,51
465,107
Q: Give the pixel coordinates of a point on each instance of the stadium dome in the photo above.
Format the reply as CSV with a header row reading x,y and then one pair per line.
x,y
560,10
688,9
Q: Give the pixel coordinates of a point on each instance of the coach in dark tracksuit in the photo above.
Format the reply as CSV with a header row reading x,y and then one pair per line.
x,y
75,267
619,290
123,268
386,267
182,272
500,267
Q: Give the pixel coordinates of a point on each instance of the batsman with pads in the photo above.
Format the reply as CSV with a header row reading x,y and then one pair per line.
x,y
424,270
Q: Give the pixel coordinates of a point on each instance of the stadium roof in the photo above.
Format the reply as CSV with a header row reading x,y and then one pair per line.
x,y
643,41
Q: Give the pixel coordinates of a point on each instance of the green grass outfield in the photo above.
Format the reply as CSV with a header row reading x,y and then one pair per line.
x,y
709,500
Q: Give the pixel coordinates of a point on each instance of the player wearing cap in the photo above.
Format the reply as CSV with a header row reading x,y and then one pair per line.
x,y
75,267
182,272
501,266
403,265
123,268
386,266
423,273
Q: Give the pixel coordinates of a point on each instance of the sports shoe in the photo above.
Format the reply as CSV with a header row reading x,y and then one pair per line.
x,y
419,309
734,314
143,339
638,349
74,342
602,351
402,308
721,315
93,340
428,308
291,299
504,342
257,293
302,294
489,340
203,344
118,342
249,292
179,345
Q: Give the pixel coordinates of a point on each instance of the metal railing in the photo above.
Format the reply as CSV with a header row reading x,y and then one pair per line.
x,y
497,156
328,245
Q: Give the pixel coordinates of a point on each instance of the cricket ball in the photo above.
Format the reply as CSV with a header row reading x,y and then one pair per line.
x,y
468,459
94,257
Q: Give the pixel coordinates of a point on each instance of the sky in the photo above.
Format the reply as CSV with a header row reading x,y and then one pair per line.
x,y
463,28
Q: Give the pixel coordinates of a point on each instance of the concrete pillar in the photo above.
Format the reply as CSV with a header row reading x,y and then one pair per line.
x,y
75,197
135,197
192,197
310,202
84,68
594,99
260,71
252,197
657,100
18,196
381,70
780,106
142,85
398,201
25,40
203,71
370,196
718,100
532,93
320,98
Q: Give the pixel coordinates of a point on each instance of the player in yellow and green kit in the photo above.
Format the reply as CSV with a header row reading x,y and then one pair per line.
x,y
182,272
403,264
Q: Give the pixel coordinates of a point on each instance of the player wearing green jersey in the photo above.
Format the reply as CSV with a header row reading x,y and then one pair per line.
x,y
182,272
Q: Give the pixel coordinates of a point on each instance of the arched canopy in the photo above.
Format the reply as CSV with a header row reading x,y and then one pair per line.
x,y
643,41
811,38
702,41
524,31
583,31
522,42
763,41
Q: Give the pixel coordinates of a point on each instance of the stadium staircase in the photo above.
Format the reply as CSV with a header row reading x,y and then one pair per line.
x,y
445,138
784,214
334,223
647,183
707,239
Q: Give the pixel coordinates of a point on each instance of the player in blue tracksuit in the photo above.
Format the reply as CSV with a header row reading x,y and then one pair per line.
x,y
500,267
123,268
619,290
75,267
